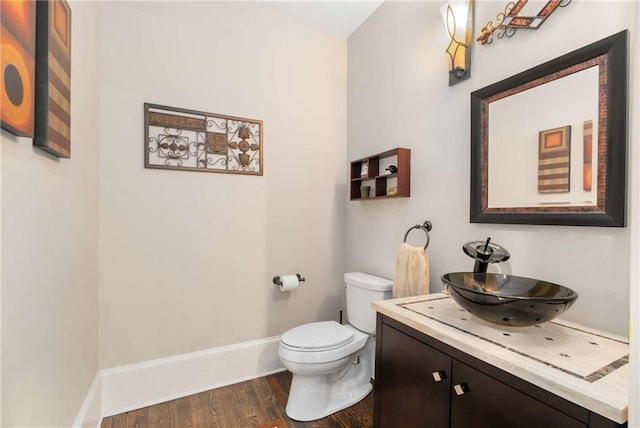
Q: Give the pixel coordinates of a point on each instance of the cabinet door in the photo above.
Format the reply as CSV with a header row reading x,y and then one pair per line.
x,y
487,403
413,382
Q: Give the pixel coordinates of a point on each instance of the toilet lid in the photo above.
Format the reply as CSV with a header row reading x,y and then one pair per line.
x,y
318,335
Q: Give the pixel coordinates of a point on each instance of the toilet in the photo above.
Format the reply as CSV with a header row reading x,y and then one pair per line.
x,y
331,363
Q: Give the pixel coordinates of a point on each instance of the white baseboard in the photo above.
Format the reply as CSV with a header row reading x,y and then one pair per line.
x,y
90,413
151,382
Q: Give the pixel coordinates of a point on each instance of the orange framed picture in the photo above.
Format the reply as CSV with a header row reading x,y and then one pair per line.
x,y
587,170
17,53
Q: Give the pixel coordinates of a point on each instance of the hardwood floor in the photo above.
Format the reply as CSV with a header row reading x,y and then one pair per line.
x,y
243,405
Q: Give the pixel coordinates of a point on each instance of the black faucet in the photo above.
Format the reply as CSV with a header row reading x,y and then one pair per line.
x,y
483,255
484,252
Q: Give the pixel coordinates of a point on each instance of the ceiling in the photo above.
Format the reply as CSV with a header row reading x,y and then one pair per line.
x,y
339,17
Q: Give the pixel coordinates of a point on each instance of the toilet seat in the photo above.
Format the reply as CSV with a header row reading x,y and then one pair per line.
x,y
323,355
317,336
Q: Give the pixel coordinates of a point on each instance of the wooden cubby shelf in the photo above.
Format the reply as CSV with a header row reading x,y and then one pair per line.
x,y
378,178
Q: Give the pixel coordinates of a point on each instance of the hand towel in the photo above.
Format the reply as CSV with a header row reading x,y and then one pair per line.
x,y
411,276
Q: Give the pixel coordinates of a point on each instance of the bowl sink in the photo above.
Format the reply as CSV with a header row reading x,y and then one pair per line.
x,y
508,299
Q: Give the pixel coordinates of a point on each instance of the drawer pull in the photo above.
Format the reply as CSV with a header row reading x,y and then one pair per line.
x,y
439,375
460,388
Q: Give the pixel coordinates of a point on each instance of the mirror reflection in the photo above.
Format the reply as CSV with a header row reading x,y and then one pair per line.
x,y
545,156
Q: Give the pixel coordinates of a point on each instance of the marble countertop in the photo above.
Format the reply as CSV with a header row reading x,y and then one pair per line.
x,y
580,364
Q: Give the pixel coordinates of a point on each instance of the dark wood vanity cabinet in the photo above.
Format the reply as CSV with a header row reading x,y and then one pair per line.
x,y
488,403
412,388
422,382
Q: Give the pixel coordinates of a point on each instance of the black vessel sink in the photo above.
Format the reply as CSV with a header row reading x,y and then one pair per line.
x,y
508,299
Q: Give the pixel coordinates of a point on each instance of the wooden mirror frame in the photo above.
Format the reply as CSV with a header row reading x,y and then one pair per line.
x,y
610,209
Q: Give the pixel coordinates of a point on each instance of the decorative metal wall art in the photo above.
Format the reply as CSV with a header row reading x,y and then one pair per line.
x,y
520,14
17,53
198,141
53,78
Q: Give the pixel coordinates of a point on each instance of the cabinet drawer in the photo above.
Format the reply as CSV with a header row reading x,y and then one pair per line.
x,y
487,403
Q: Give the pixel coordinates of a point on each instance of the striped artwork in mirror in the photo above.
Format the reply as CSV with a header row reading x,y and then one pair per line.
x,y
554,157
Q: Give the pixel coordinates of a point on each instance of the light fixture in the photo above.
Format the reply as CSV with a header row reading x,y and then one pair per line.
x,y
458,21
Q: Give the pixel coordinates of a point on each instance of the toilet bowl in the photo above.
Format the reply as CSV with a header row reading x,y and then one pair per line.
x,y
331,363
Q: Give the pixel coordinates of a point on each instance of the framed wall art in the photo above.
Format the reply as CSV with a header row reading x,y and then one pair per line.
x,y
554,160
191,140
17,53
53,78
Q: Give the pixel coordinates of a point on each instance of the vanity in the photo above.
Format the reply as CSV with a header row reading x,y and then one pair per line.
x,y
438,366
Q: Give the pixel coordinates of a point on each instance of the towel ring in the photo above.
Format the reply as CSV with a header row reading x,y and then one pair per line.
x,y
426,227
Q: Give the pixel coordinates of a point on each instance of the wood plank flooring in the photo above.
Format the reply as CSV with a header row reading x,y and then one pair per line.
x,y
243,405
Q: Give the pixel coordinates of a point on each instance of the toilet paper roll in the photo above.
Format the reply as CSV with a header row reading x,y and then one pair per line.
x,y
288,282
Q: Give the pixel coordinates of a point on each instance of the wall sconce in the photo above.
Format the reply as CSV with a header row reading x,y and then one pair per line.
x,y
458,21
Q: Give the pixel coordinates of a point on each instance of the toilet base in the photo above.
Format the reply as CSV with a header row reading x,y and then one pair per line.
x,y
314,397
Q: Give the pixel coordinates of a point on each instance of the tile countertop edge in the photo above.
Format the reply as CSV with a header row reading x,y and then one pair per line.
x,y
572,390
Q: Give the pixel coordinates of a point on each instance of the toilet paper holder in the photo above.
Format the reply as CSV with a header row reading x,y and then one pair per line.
x,y
277,281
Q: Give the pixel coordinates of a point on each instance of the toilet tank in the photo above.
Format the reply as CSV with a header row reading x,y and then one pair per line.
x,y
362,290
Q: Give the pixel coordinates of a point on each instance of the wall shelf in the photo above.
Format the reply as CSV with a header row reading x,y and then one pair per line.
x,y
376,178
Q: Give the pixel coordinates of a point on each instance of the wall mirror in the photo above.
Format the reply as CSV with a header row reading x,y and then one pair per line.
x,y
549,145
